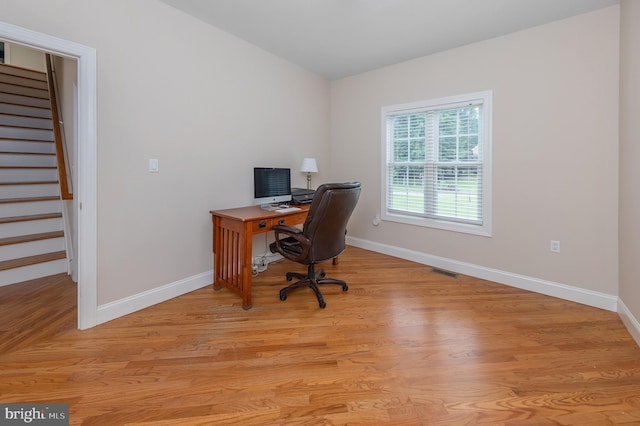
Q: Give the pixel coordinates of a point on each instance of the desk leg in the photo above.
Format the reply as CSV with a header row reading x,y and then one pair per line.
x,y
246,274
232,257
217,250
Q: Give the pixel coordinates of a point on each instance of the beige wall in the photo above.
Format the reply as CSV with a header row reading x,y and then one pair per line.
x,y
209,106
555,148
629,153
25,57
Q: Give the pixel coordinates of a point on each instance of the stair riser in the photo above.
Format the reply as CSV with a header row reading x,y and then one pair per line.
x,y
19,121
12,276
23,81
23,72
30,208
15,229
20,133
23,191
8,145
31,160
24,91
28,175
14,251
25,111
24,100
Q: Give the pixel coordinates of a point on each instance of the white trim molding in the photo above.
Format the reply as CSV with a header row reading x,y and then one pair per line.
x,y
631,322
549,288
86,161
128,305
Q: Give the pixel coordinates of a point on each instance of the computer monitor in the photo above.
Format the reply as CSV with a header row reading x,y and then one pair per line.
x,y
271,185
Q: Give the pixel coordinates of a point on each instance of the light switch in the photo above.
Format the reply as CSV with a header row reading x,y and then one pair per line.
x,y
154,166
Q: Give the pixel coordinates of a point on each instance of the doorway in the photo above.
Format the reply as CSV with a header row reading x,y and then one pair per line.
x,y
85,202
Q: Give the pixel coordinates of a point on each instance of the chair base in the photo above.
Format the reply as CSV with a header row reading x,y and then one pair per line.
x,y
312,280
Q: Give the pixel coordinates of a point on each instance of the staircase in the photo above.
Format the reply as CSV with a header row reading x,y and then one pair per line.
x,y
32,243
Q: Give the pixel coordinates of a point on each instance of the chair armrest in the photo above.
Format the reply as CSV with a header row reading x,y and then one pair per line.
x,y
285,229
297,235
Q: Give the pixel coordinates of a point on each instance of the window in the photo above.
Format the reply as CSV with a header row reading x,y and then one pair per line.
x,y
437,163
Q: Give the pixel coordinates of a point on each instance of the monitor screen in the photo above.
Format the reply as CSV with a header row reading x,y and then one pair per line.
x,y
271,185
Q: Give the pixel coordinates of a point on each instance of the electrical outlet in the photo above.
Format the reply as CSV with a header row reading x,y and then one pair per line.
x,y
555,246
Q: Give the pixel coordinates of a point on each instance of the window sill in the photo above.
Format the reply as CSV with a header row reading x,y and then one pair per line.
x,y
483,230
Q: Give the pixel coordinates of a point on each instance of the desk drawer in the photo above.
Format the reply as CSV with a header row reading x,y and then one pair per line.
x,y
294,219
263,225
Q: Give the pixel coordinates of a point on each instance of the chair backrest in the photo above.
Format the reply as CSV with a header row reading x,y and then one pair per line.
x,y
326,223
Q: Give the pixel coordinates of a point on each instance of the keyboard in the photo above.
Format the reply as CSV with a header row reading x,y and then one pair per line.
x,y
287,209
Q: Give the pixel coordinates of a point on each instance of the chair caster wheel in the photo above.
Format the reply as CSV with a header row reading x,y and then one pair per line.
x,y
323,305
345,287
283,296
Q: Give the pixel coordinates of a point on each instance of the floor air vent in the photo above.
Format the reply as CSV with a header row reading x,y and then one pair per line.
x,y
443,272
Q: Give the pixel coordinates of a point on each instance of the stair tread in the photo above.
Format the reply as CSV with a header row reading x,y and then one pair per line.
x,y
22,115
8,139
31,237
32,260
26,218
14,126
28,167
27,200
35,182
26,153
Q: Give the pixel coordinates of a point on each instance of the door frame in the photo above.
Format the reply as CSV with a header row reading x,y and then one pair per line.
x,y
85,197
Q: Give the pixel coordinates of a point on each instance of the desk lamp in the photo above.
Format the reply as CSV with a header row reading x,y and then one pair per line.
x,y
309,166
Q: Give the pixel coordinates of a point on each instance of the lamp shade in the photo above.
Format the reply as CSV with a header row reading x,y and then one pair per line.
x,y
309,165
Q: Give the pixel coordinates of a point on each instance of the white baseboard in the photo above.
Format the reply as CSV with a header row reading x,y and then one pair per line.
x,y
119,308
629,321
549,288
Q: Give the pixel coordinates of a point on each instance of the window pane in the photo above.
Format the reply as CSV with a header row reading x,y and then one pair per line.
x,y
417,150
401,150
463,121
459,192
401,127
447,122
407,189
468,148
447,151
469,120
417,125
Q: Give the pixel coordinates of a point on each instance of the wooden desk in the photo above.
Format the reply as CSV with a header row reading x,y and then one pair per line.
x,y
233,231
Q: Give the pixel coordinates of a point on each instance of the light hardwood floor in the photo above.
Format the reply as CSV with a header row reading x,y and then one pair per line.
x,y
404,346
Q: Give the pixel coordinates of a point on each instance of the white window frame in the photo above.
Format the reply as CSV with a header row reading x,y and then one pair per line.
x,y
485,98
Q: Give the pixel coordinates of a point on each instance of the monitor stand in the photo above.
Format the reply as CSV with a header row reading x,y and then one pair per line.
x,y
270,207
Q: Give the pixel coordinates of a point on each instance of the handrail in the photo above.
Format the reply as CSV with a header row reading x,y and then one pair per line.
x,y
65,193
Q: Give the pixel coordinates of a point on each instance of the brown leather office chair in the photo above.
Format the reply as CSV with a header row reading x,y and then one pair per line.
x,y
322,237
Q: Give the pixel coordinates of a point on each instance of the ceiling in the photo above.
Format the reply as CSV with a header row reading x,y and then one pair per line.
x,y
339,38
